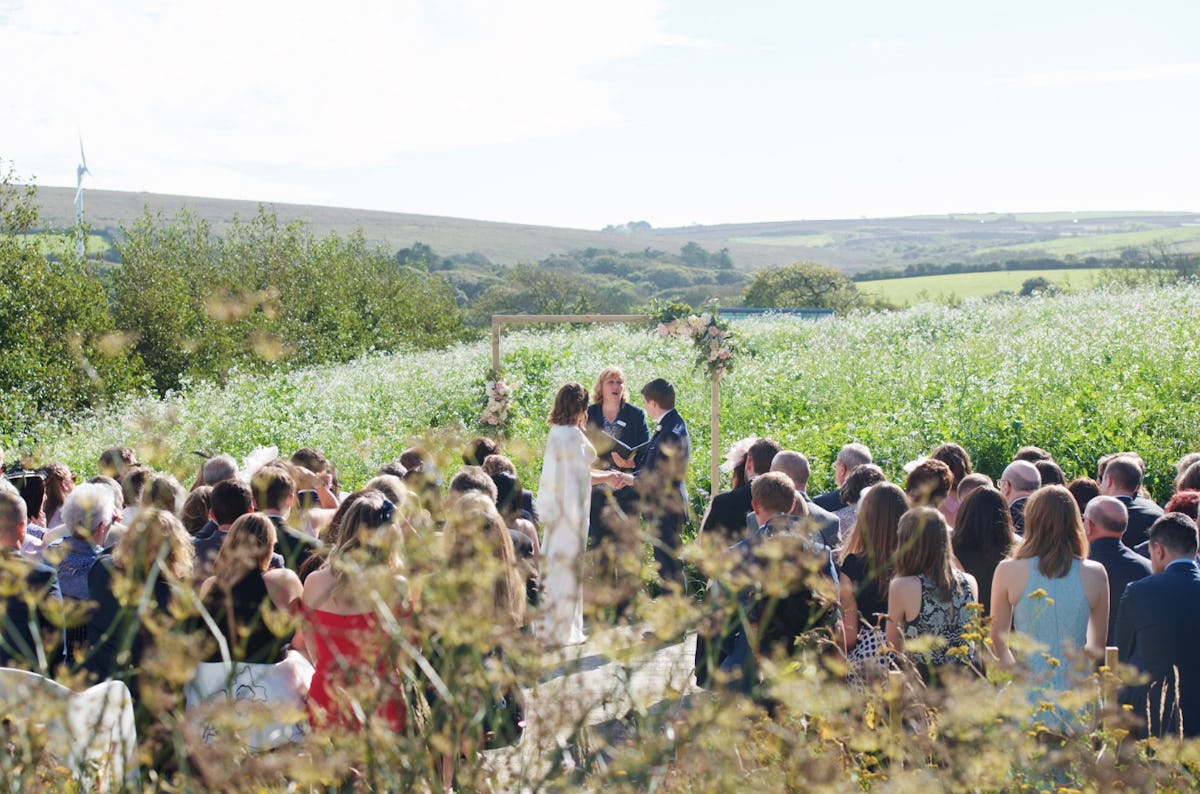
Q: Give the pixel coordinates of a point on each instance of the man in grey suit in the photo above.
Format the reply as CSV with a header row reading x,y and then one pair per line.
x,y
823,522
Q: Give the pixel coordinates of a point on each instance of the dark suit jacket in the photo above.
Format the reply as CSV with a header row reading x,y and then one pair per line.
x,y
830,501
1158,629
1017,511
206,549
822,520
295,547
1142,514
23,624
634,432
727,516
1123,565
665,466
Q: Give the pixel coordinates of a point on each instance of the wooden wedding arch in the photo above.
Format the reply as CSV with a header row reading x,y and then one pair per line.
x,y
500,320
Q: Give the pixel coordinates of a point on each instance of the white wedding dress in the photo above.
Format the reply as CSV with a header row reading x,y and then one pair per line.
x,y
564,503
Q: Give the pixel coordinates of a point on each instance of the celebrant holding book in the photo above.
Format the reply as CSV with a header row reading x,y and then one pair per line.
x,y
614,426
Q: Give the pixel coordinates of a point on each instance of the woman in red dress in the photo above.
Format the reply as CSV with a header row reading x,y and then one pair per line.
x,y
355,607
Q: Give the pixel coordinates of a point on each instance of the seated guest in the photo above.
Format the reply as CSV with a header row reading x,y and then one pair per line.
x,y
133,482
59,484
218,468
154,558
231,499
928,484
163,492
727,516
1050,472
508,503
969,483
1158,631
524,501
332,535
115,461
984,536
1018,482
469,479
274,491
859,480
1084,489
314,472
244,589
27,639
821,522
960,465
1050,592
478,449
1032,454
1186,502
927,597
1123,479
87,517
194,514
1104,523
783,607
865,575
1188,479
422,477
848,459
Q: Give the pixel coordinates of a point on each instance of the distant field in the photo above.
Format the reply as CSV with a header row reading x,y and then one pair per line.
x,y
63,245
810,240
1037,217
1187,238
973,285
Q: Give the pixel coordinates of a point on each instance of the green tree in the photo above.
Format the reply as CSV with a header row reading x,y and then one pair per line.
x,y
802,285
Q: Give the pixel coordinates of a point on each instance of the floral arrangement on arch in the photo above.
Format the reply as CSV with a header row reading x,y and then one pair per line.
x,y
499,399
717,346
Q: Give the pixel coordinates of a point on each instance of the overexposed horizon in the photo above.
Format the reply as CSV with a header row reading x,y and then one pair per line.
x,y
580,115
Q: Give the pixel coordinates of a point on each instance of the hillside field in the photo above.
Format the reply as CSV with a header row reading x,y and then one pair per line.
x,y
1082,375
905,291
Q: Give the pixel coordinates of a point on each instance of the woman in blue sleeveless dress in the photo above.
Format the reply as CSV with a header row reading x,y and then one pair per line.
x,y
1059,600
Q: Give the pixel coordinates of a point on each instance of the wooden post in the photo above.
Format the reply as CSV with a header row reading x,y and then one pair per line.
x,y
715,412
495,346
1109,680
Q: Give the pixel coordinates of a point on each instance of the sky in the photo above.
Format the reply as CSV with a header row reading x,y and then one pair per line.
x,y
585,114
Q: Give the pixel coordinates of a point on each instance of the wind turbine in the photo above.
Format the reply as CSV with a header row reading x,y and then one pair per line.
x,y
80,170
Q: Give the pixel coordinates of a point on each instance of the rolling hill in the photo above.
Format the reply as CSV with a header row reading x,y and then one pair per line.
x,y
851,244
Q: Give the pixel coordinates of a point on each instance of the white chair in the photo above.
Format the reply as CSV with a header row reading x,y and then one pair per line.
x,y
92,730
267,700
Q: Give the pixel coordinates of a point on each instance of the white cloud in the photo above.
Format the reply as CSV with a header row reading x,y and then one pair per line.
x,y
1087,77
278,83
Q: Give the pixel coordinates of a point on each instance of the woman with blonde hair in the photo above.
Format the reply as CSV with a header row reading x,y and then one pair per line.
x,y
928,597
155,557
244,589
1057,596
564,504
865,575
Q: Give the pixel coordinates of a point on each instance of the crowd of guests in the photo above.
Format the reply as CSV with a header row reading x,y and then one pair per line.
x,y
275,563
1052,570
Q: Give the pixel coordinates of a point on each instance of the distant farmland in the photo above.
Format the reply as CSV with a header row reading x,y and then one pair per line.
x,y
936,289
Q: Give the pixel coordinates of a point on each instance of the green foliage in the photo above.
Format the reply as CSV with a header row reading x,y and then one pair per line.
x,y
266,294
802,285
60,352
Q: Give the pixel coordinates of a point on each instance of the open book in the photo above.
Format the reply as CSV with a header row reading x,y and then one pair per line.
x,y
611,443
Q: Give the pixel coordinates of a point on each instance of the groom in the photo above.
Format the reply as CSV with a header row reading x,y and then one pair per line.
x,y
661,479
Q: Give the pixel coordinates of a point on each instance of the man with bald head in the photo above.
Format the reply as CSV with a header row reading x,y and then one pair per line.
x,y
823,522
1123,479
1020,479
1104,521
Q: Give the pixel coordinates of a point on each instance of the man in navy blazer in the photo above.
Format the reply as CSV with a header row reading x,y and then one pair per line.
x,y
1104,522
661,479
727,515
1158,630
1123,479
27,637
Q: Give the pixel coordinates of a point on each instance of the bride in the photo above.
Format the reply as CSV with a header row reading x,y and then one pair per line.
x,y
563,503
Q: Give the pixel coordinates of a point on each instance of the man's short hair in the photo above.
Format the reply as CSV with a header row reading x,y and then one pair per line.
x,y
218,468
762,454
272,485
1176,533
311,459
416,459
133,482
794,465
972,481
165,493
1050,472
394,468
230,500
852,456
661,391
1032,454
87,507
494,464
478,449
773,492
1124,473
473,478
118,492
1022,475
12,512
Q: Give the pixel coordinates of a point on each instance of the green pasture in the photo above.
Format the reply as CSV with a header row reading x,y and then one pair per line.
x,y
62,245
991,375
905,291
1183,238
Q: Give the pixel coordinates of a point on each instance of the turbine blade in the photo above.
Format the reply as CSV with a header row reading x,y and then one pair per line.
x,y
82,157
